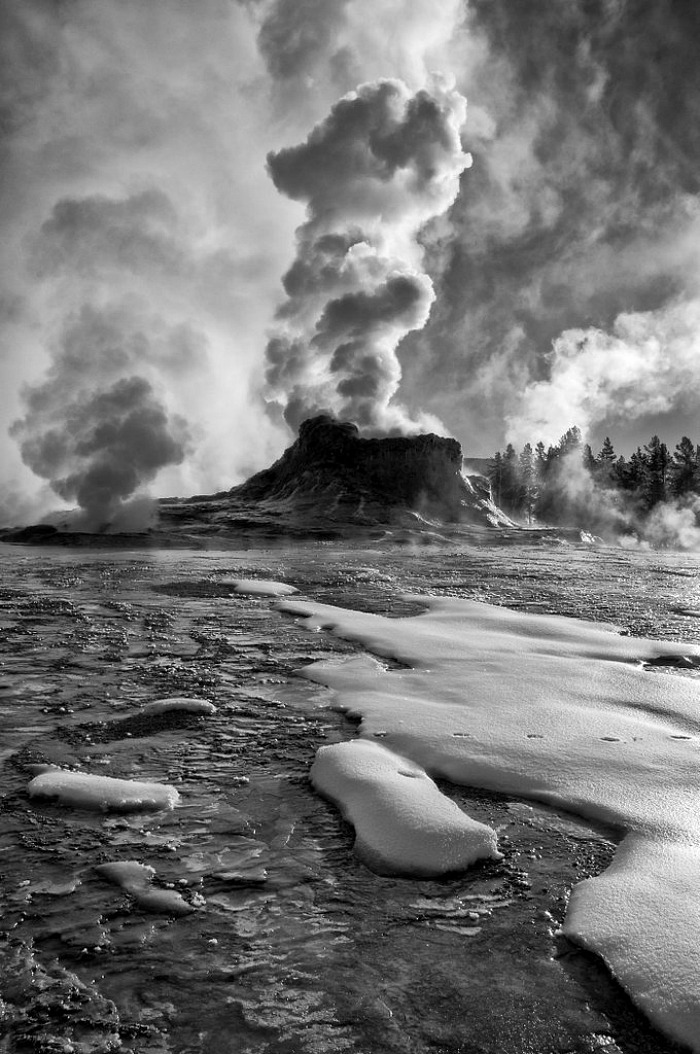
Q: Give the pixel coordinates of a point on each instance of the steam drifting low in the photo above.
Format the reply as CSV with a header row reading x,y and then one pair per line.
x,y
94,427
99,447
382,163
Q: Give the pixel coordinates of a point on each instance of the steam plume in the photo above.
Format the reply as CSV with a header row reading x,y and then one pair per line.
x,y
99,448
582,206
95,433
94,425
134,139
648,364
141,250
383,163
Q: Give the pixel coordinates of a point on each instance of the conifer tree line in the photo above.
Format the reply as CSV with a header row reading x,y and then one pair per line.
x,y
568,483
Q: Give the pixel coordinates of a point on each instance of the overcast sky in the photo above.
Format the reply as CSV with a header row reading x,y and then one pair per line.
x,y
205,237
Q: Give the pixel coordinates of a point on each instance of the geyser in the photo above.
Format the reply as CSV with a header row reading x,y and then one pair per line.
x,y
332,474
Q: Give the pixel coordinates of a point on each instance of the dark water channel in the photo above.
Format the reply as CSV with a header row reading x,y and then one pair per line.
x,y
290,945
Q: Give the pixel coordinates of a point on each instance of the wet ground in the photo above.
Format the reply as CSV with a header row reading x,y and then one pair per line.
x,y
286,944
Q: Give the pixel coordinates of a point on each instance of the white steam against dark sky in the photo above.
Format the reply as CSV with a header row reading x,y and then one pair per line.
x,y
206,238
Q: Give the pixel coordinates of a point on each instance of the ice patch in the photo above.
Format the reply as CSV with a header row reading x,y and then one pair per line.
x,y
178,703
262,587
562,711
81,790
403,824
135,879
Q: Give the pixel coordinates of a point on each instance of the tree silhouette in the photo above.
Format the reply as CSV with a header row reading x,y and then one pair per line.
x,y
545,482
684,469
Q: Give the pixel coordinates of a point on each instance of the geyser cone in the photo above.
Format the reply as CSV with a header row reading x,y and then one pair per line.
x,y
335,474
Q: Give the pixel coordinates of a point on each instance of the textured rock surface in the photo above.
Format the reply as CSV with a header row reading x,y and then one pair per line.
x,y
346,475
332,473
330,483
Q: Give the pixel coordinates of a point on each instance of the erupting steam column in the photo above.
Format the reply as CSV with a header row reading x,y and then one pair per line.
x,y
383,163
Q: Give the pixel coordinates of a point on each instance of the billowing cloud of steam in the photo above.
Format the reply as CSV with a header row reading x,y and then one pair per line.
x,y
582,205
96,234
675,525
99,448
332,46
94,425
141,250
134,143
648,364
134,140
619,516
383,163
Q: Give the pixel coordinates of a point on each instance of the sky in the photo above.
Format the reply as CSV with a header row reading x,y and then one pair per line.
x,y
479,218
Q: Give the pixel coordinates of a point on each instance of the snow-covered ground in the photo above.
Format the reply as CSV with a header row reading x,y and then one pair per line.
x,y
83,790
262,587
403,822
540,706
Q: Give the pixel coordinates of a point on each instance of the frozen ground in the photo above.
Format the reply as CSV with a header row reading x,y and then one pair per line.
x,y
240,919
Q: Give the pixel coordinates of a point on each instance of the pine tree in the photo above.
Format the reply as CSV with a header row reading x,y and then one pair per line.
x,y
684,469
589,461
540,481
528,481
637,470
495,475
607,453
571,440
510,486
618,472
607,465
540,459
657,458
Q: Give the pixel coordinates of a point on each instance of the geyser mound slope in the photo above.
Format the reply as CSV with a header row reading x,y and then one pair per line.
x,y
330,482
332,477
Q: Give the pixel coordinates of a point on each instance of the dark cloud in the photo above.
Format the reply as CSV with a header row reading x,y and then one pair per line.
x,y
28,62
297,34
137,234
13,307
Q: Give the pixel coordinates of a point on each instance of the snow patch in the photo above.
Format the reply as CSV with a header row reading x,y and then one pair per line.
x,y
262,587
177,703
642,916
81,790
562,711
403,824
